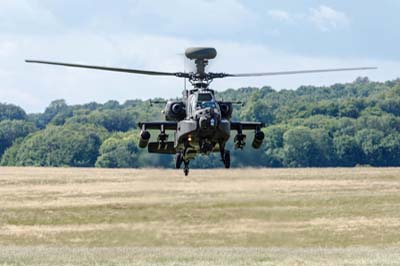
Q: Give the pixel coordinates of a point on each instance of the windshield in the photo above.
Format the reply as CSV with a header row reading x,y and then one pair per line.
x,y
202,105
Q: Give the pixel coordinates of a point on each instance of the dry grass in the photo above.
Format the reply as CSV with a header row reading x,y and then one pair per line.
x,y
216,217
44,256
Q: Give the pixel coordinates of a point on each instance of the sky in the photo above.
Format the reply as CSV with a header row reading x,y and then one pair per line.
x,y
250,36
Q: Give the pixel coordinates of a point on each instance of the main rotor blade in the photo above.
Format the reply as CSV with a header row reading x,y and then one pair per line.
x,y
298,72
132,71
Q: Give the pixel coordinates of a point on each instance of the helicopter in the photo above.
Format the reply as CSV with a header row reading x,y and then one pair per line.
x,y
201,123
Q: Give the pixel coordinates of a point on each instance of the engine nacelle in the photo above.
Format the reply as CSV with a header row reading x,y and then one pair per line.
x,y
175,111
144,139
226,110
258,139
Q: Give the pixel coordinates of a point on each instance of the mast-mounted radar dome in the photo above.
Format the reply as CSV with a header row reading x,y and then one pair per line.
x,y
202,53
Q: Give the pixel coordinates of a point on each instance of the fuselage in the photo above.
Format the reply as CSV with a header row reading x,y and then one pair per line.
x,y
204,128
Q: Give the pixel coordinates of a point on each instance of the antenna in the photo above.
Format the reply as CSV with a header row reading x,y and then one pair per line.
x,y
184,71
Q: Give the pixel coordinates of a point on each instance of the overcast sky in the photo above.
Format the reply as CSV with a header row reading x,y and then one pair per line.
x,y
250,36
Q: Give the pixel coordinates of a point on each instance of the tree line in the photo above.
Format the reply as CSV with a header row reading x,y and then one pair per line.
x,y
348,124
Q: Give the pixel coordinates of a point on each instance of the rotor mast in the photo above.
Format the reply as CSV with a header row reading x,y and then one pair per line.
x,y
200,55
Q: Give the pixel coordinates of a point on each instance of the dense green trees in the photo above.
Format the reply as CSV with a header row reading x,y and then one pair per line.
x,y
119,151
349,124
56,113
11,112
73,145
112,120
347,150
300,148
11,130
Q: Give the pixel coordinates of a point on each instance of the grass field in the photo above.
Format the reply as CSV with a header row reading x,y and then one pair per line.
x,y
213,217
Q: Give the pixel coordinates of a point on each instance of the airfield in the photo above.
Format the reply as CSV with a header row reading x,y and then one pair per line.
x,y
69,216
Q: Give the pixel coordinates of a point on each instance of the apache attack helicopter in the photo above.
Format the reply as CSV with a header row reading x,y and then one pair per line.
x,y
201,122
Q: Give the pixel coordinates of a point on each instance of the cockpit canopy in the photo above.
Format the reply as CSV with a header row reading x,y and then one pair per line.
x,y
204,97
205,100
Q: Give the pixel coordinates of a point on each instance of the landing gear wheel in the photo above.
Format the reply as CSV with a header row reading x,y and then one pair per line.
x,y
227,159
186,169
178,160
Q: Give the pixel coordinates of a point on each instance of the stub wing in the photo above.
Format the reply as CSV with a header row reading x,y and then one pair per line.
x,y
241,138
164,125
247,125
